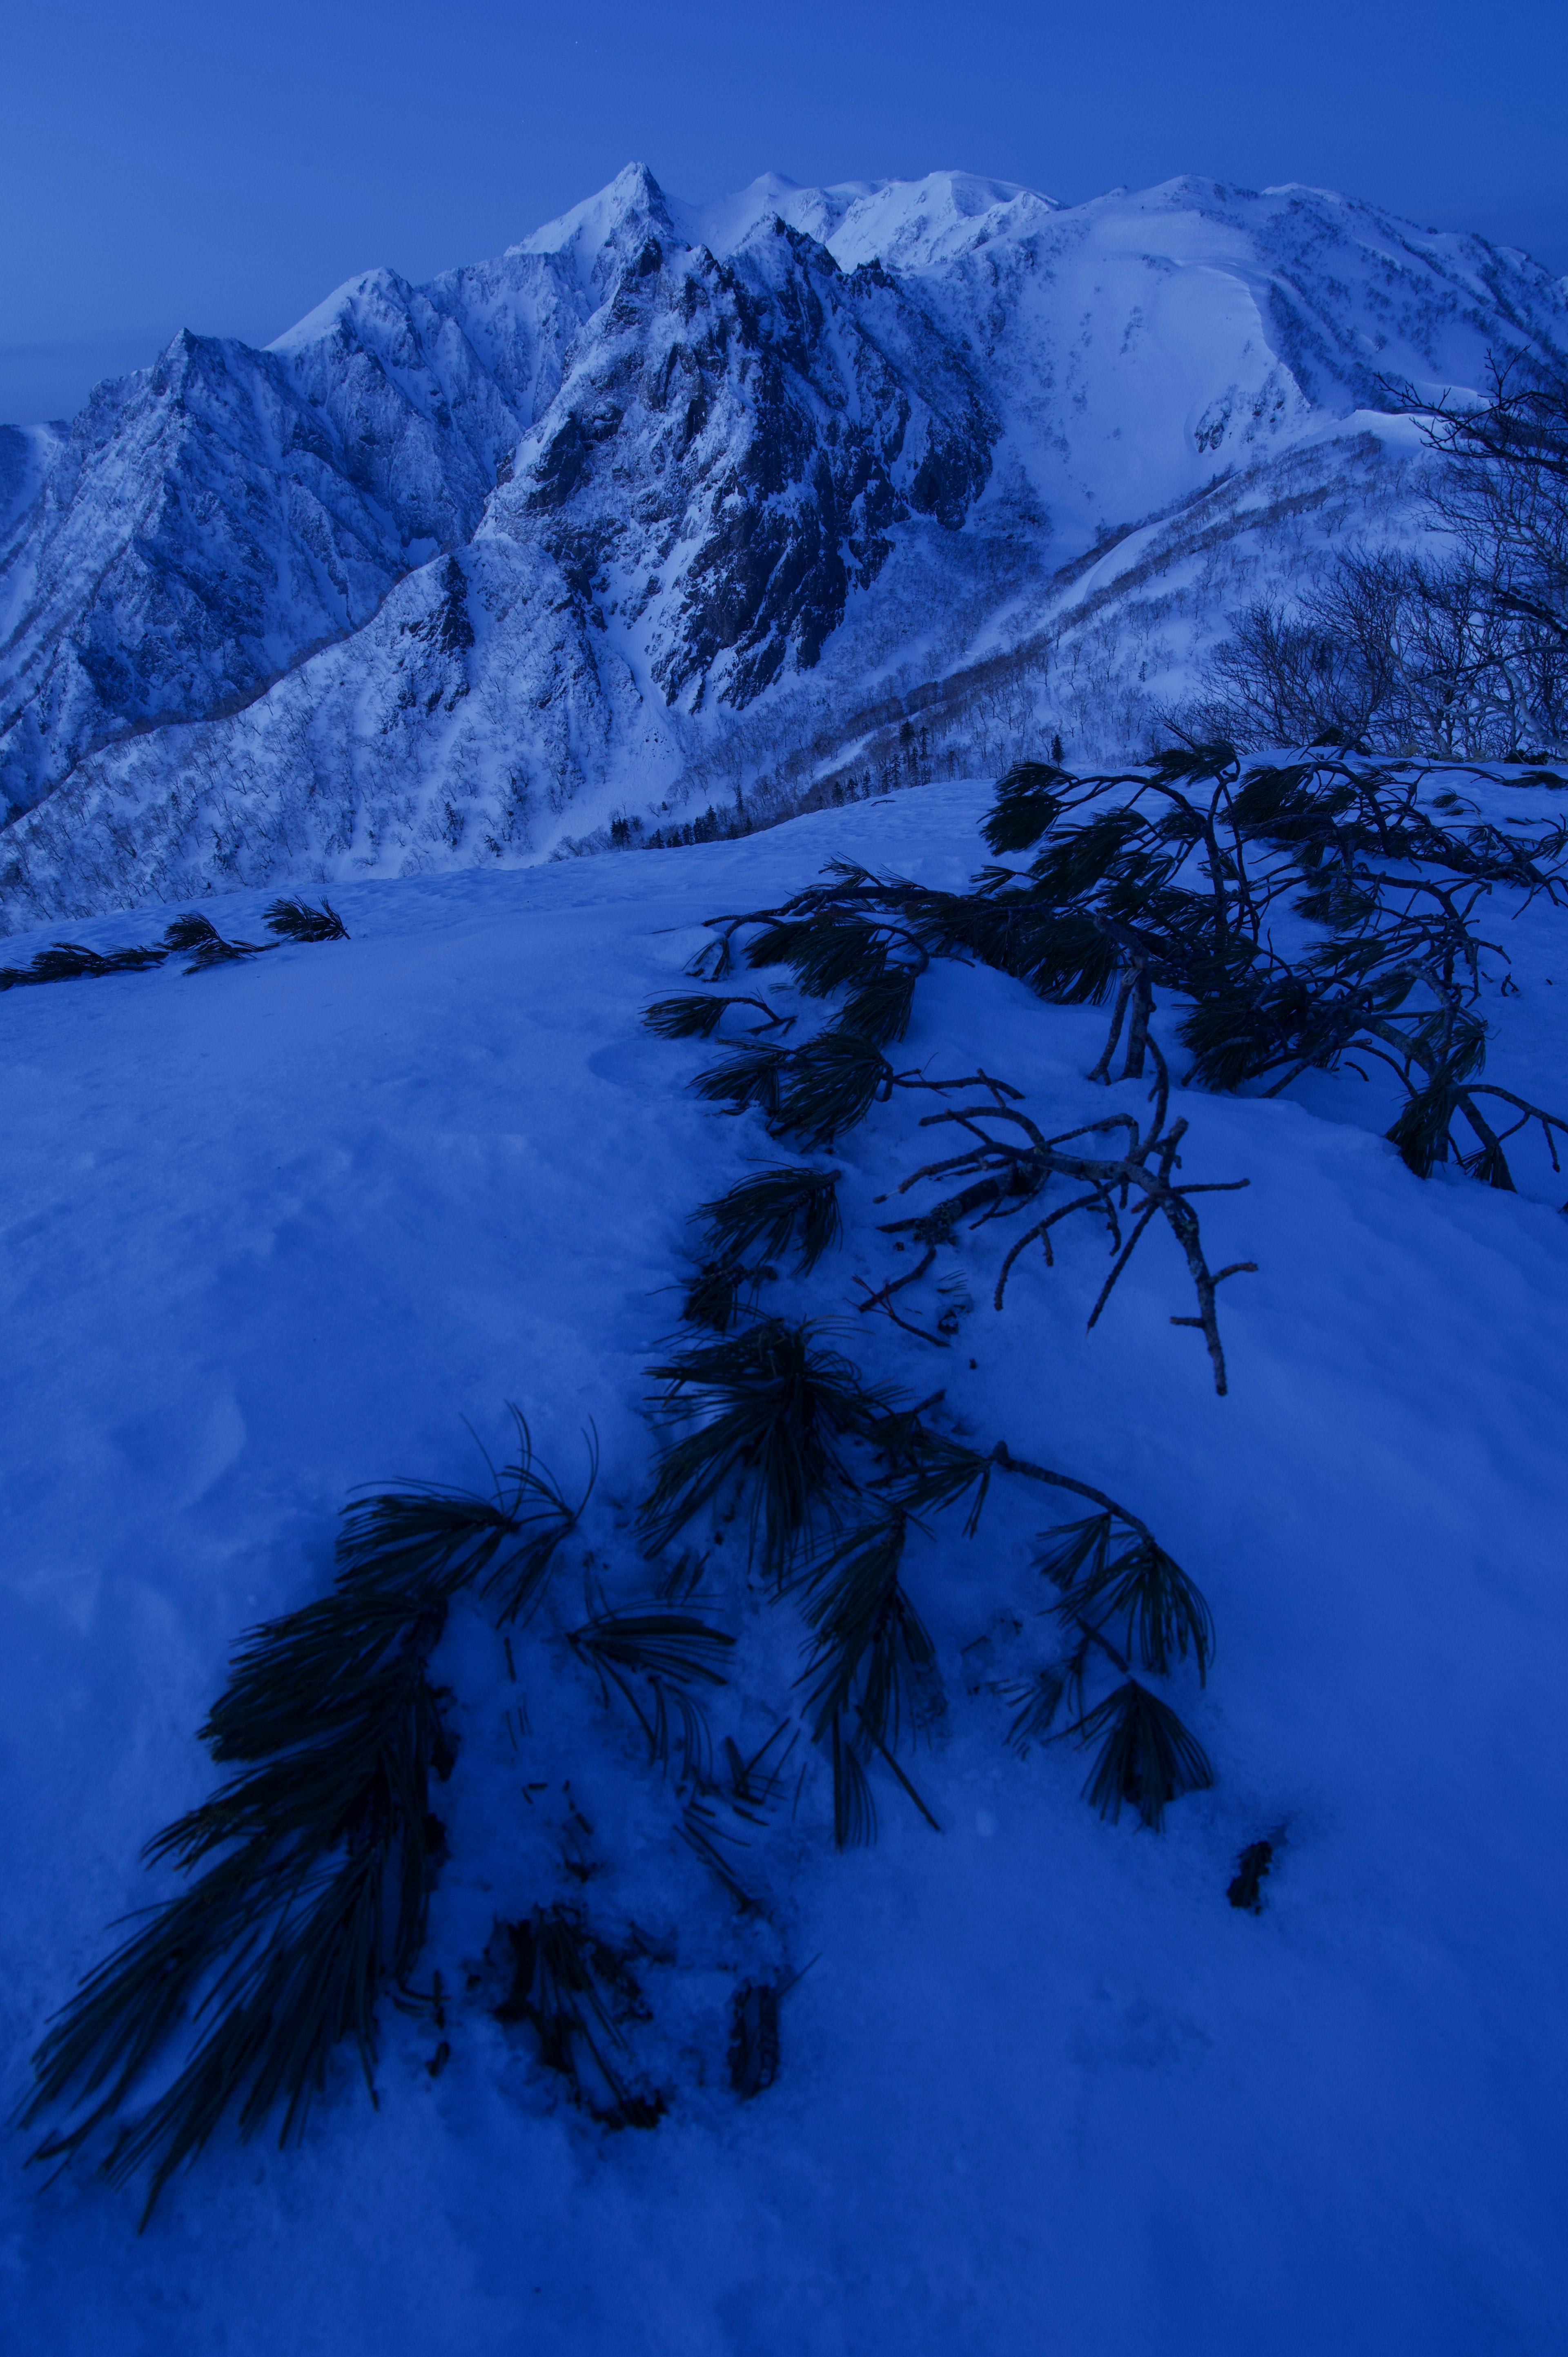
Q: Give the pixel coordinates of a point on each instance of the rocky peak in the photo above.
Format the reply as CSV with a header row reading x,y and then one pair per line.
x,y
732,448
666,492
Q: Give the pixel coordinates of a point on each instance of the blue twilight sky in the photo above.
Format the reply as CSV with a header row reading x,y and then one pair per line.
x,y
222,168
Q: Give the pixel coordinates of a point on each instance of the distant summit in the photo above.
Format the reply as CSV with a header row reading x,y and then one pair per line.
x,y
671,503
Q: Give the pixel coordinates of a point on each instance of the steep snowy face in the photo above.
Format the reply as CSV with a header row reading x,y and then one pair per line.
x,y
212,517
1142,341
731,451
671,499
216,517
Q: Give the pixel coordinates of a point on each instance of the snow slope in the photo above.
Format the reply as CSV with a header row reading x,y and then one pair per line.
x,y
278,1230
671,503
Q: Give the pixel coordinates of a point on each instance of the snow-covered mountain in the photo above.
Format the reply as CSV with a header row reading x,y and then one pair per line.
x,y
671,503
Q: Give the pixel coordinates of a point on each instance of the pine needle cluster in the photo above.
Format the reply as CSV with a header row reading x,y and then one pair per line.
x,y
782,1209
652,1660
313,1864
786,1434
191,935
773,1408
564,1982
1179,876
1123,1601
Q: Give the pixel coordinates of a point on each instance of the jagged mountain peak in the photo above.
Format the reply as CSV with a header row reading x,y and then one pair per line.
x,y
347,311
672,501
597,234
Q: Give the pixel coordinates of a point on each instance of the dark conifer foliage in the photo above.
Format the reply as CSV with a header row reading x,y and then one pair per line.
x,y
316,1895
1174,877
721,1292
1146,1757
69,962
751,1076
1029,804
297,921
869,1670
1123,1598
871,1667
1127,1583
697,1016
653,1658
778,1208
432,1538
810,1093
776,1406
323,1851
1179,876
207,945
292,921
828,1085
782,1207
564,1981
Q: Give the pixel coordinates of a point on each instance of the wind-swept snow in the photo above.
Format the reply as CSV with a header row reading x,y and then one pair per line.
x,y
278,1228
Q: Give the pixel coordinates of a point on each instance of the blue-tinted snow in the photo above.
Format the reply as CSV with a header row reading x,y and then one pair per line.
x,y
278,1230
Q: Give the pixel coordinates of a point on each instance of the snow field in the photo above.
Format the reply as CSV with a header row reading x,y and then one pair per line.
x,y
278,1230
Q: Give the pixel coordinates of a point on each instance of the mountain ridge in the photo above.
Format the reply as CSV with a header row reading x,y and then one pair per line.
x,y
713,479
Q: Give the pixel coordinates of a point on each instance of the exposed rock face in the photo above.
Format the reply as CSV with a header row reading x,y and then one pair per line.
x,y
207,522
666,497
732,450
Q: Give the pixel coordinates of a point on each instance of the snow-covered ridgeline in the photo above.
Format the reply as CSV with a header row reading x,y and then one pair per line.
x,y
672,501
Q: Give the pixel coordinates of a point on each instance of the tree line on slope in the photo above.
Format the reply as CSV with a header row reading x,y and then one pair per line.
x,y
1461,653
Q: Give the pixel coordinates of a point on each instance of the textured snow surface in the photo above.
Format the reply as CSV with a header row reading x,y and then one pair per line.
x,y
275,1230
670,503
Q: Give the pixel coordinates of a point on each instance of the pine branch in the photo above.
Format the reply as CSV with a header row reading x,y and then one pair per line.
x,y
199,935
696,1016
70,961
1163,1614
827,1086
1147,1757
752,1076
1036,1700
316,1897
312,1866
297,921
428,1536
1010,1173
719,1292
869,1651
783,1206
776,1408
1025,807
668,1652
